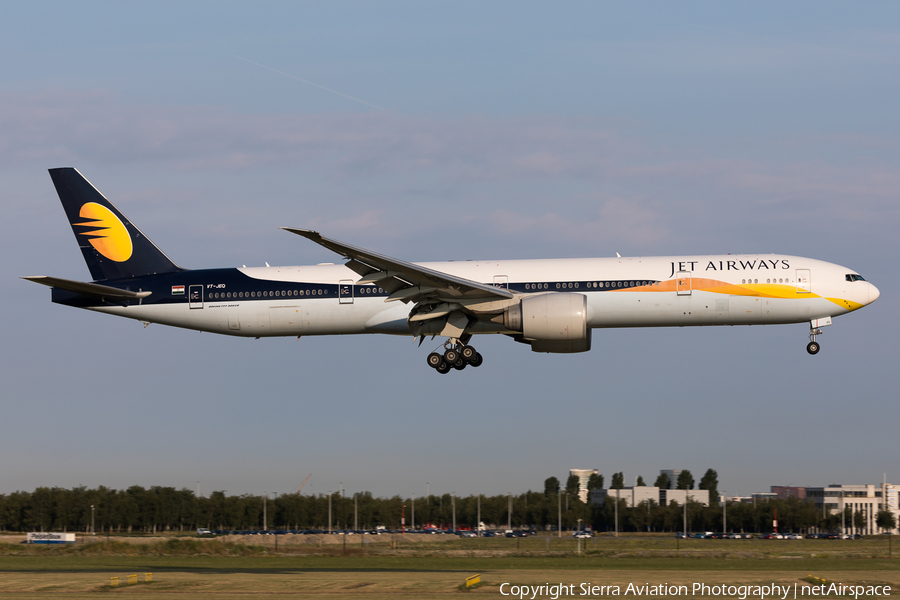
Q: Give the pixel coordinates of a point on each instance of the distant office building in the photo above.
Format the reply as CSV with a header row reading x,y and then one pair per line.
x,y
583,476
784,492
758,496
864,499
672,474
633,496
679,496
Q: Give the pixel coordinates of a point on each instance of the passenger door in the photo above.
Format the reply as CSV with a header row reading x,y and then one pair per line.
x,y
345,291
195,296
683,283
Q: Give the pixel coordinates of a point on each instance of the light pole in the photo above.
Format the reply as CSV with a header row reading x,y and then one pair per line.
x,y
724,513
617,512
329,512
265,516
559,508
413,516
453,502
478,520
579,538
92,520
842,514
509,511
356,511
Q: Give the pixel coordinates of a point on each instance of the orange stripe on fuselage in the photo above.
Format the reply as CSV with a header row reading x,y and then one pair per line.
x,y
700,284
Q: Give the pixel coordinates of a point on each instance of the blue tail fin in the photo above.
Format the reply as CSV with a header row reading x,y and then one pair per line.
x,y
113,247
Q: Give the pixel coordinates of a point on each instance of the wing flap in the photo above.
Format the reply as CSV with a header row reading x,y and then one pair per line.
x,y
403,280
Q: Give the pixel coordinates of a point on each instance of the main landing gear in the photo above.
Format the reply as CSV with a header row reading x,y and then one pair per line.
x,y
456,356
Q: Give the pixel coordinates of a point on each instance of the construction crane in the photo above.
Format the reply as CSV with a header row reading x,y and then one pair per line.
x,y
304,483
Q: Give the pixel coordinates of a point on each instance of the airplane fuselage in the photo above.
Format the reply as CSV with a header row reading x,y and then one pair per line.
x,y
621,292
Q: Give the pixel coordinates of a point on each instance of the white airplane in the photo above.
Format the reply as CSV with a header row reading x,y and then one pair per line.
x,y
550,304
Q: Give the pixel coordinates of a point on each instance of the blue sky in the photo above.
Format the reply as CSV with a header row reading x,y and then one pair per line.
x,y
451,131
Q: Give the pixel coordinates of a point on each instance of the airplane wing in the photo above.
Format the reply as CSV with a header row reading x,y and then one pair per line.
x,y
403,280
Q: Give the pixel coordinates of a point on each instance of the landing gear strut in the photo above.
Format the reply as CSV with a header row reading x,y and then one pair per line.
x,y
457,355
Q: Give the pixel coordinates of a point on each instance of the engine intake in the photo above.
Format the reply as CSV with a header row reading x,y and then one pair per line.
x,y
555,322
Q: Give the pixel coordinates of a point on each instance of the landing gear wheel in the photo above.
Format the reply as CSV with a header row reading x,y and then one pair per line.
x,y
476,362
812,347
460,364
468,353
434,360
443,368
451,356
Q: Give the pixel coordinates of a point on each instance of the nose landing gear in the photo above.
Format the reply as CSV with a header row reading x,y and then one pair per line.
x,y
457,355
813,346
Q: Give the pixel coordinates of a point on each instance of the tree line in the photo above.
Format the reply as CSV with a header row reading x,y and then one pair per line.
x,y
161,509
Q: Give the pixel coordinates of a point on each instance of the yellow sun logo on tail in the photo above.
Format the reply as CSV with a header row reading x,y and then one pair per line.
x,y
107,234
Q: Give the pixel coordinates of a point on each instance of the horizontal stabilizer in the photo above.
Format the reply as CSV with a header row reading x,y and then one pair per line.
x,y
86,289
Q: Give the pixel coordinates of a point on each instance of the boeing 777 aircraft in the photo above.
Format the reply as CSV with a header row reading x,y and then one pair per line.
x,y
550,304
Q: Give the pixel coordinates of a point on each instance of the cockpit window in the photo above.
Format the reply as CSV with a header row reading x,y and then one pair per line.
x,y
853,277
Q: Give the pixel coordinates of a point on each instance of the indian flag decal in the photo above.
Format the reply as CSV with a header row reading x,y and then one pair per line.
x,y
177,289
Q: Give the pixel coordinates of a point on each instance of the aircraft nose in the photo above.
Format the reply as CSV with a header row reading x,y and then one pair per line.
x,y
873,293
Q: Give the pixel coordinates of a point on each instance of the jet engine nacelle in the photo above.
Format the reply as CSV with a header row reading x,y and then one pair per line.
x,y
555,322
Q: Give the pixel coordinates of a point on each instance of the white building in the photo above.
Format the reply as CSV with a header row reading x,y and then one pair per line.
x,y
633,496
583,476
864,499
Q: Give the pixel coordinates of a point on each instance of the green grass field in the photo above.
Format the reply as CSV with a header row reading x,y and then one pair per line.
x,y
211,569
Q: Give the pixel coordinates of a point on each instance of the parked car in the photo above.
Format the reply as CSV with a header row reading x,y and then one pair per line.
x,y
582,535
